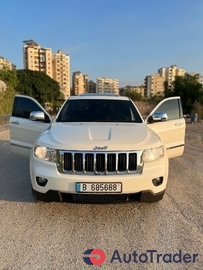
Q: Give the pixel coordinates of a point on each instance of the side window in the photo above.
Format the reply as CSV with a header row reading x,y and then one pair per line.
x,y
171,108
23,107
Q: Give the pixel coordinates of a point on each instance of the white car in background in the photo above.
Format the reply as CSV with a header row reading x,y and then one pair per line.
x,y
98,149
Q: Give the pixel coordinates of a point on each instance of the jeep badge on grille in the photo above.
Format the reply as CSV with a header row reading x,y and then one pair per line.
x,y
100,148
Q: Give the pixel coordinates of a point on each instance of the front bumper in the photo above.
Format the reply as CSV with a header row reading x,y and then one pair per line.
x,y
135,187
56,196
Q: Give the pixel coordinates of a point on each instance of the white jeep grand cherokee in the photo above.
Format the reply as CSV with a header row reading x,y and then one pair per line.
x,y
98,149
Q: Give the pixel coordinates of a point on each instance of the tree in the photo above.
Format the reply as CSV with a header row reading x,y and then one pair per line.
x,y
189,89
9,77
37,85
133,95
157,97
6,100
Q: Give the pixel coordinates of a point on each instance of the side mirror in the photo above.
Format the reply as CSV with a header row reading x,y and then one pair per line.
x,y
37,115
157,117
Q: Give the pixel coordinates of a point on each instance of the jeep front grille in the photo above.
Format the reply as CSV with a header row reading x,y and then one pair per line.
x,y
99,162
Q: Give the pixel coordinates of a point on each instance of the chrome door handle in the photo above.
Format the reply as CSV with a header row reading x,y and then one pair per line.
x,y
15,122
179,124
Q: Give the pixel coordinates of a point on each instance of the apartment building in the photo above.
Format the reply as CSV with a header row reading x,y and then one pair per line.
x,y
86,83
79,83
170,73
154,85
56,66
92,87
37,58
6,64
61,68
106,85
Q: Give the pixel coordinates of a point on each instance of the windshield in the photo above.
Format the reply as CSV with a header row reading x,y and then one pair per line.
x,y
99,110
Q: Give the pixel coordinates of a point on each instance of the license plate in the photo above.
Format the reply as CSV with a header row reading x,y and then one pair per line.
x,y
99,187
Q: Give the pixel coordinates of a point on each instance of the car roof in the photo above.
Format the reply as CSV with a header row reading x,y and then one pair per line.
x,y
99,96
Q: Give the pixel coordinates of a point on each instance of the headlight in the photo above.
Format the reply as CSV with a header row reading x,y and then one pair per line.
x,y
152,154
45,153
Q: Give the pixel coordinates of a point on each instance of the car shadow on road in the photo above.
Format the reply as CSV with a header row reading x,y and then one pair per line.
x,y
14,175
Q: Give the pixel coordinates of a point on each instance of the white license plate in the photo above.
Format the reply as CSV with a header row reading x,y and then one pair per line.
x,y
99,187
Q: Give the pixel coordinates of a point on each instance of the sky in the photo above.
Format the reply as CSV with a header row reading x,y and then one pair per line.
x,y
126,40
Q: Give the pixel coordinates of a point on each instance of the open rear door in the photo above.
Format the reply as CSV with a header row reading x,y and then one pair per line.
x,y
171,130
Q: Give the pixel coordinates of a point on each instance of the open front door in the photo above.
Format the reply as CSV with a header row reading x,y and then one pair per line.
x,y
23,131
170,128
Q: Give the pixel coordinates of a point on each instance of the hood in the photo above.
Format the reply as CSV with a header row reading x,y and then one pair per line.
x,y
102,136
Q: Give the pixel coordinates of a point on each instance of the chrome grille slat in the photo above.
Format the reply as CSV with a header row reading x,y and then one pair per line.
x,y
73,162
79,162
95,162
106,160
116,162
83,158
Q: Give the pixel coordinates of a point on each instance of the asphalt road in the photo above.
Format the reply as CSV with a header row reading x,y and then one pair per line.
x,y
55,236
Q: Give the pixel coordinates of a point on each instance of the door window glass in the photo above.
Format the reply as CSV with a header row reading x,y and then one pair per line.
x,y
171,108
23,107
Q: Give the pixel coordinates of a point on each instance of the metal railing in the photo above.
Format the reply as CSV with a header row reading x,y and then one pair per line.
x,y
4,121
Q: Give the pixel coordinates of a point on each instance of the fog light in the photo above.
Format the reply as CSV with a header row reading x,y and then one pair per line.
x,y
41,181
157,181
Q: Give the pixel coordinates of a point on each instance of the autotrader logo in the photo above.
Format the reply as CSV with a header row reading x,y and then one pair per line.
x,y
96,257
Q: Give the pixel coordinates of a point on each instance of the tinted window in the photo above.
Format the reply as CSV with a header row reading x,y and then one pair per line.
x,y
24,106
96,110
171,107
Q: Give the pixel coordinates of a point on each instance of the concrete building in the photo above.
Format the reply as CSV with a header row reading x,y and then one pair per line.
x,y
86,83
6,64
154,85
106,85
37,58
170,73
92,87
79,83
61,71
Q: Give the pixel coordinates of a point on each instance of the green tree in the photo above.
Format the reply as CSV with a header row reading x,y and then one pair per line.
x,y
157,97
7,94
6,100
9,77
189,89
133,95
37,85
